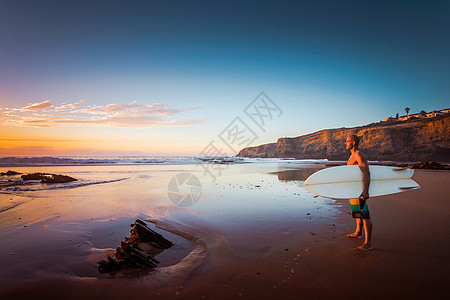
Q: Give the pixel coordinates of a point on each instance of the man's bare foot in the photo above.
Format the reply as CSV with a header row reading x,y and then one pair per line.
x,y
364,248
354,235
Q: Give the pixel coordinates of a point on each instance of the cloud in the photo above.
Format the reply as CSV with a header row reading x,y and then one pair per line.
x,y
133,109
189,122
37,106
115,121
34,122
133,114
68,107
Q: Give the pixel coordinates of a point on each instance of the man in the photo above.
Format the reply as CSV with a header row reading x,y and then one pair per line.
x,y
360,210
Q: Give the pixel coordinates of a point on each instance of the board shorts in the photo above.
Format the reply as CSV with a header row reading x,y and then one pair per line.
x,y
359,208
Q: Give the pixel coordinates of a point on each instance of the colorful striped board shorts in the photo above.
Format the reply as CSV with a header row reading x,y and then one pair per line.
x,y
359,208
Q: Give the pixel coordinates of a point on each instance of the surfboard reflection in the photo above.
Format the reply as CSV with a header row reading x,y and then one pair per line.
x,y
296,175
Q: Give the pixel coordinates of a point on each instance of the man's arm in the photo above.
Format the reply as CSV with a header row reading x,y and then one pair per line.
x,y
362,163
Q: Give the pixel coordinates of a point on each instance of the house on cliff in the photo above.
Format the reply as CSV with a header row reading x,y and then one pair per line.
x,y
422,114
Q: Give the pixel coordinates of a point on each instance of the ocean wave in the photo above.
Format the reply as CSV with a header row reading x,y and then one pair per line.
x,y
13,161
18,161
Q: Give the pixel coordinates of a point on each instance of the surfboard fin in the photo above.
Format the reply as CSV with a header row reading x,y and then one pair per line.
x,y
409,187
400,169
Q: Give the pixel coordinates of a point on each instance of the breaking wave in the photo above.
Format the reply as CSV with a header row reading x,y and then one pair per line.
x,y
18,161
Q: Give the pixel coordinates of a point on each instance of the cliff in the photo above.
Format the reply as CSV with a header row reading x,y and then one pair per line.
x,y
412,140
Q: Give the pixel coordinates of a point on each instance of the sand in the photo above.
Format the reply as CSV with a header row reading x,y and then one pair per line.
x,y
253,235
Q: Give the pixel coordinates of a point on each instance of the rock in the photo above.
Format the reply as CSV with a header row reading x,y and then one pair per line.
x,y
48,178
34,176
420,165
58,179
9,173
137,250
428,165
263,151
420,139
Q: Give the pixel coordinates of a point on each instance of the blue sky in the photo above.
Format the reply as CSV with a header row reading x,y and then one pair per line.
x,y
326,64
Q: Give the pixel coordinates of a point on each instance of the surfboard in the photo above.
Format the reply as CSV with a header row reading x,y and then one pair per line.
x,y
346,182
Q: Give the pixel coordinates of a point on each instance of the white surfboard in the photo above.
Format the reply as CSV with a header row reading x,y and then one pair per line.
x,y
346,182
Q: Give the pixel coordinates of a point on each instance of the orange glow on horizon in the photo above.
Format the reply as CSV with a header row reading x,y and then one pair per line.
x,y
64,141
36,147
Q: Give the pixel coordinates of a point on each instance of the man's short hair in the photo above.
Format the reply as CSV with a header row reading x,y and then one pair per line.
x,y
354,138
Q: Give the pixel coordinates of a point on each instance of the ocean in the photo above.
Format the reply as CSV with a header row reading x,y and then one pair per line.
x,y
11,161
80,167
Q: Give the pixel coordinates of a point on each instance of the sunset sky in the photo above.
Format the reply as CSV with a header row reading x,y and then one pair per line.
x,y
170,77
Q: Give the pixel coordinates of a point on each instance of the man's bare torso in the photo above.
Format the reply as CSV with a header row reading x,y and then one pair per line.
x,y
353,161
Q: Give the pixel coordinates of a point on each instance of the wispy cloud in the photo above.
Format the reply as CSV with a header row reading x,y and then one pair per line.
x,y
68,107
37,106
133,108
115,121
133,114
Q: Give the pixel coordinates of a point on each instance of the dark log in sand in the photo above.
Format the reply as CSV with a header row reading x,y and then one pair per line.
x,y
137,251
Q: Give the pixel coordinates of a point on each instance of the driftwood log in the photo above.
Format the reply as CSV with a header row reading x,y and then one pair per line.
x,y
137,250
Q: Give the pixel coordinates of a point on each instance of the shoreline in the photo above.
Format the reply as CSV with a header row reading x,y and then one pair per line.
x,y
224,161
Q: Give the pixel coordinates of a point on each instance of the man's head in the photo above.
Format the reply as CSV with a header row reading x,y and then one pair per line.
x,y
352,142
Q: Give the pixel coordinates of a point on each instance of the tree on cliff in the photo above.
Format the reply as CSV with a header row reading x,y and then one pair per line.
x,y
407,111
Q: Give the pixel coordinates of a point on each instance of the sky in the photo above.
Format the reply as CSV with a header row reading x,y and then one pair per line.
x,y
211,77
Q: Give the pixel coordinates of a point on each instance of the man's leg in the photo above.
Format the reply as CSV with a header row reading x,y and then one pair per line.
x,y
368,233
355,206
358,230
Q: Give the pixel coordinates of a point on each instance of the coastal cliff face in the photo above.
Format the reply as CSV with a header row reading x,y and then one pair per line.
x,y
413,140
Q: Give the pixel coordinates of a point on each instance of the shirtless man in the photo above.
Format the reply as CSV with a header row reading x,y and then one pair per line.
x,y
360,210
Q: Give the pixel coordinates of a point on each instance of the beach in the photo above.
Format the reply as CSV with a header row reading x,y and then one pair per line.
x,y
254,233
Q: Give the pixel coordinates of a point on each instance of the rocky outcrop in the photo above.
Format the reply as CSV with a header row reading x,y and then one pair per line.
x,y
9,173
266,150
416,139
48,178
420,165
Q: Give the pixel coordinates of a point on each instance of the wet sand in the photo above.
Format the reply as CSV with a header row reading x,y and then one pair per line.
x,y
253,235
